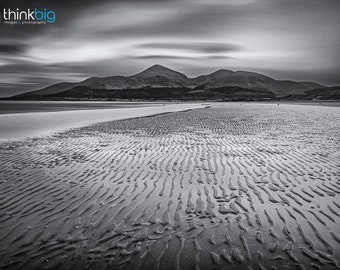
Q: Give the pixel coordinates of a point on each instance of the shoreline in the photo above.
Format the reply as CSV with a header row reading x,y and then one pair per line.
x,y
19,126
11,106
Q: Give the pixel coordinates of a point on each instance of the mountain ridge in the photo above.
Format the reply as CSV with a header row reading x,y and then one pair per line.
x,y
220,83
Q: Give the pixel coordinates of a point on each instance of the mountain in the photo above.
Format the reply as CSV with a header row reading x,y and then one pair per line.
x,y
224,77
159,82
324,93
252,80
158,70
166,93
53,89
156,76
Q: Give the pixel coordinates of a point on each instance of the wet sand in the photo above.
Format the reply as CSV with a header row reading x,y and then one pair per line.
x,y
255,186
25,106
16,126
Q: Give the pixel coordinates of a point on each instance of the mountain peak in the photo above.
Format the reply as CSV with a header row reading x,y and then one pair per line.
x,y
159,70
221,73
157,66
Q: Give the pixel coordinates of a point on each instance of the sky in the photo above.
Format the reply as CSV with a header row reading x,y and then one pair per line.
x,y
284,39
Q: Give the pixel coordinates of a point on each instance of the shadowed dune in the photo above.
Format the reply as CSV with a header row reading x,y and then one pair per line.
x,y
229,187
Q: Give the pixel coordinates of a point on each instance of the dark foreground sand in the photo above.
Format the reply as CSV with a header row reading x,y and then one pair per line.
x,y
230,187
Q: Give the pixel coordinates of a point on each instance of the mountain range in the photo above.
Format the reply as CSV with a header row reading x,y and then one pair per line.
x,y
161,83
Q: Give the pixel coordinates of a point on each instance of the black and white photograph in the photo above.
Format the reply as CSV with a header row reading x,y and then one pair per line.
x,y
169,134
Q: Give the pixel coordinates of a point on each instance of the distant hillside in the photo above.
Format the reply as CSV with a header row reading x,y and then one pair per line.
x,y
50,90
324,93
179,93
251,80
159,82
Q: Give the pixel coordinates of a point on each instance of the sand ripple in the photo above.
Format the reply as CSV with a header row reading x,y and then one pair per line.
x,y
227,187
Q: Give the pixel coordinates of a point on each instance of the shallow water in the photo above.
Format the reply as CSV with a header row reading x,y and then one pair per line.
x,y
255,186
24,106
17,126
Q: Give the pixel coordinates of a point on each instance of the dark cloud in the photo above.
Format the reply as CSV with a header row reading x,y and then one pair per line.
x,y
162,57
218,57
200,47
12,48
23,67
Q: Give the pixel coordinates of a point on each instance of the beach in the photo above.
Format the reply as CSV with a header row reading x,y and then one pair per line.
x,y
228,186
22,124
28,106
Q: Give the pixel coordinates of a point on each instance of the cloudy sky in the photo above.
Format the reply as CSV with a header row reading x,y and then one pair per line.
x,y
285,39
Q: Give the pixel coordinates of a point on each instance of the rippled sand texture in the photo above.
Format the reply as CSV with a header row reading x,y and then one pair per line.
x,y
230,187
